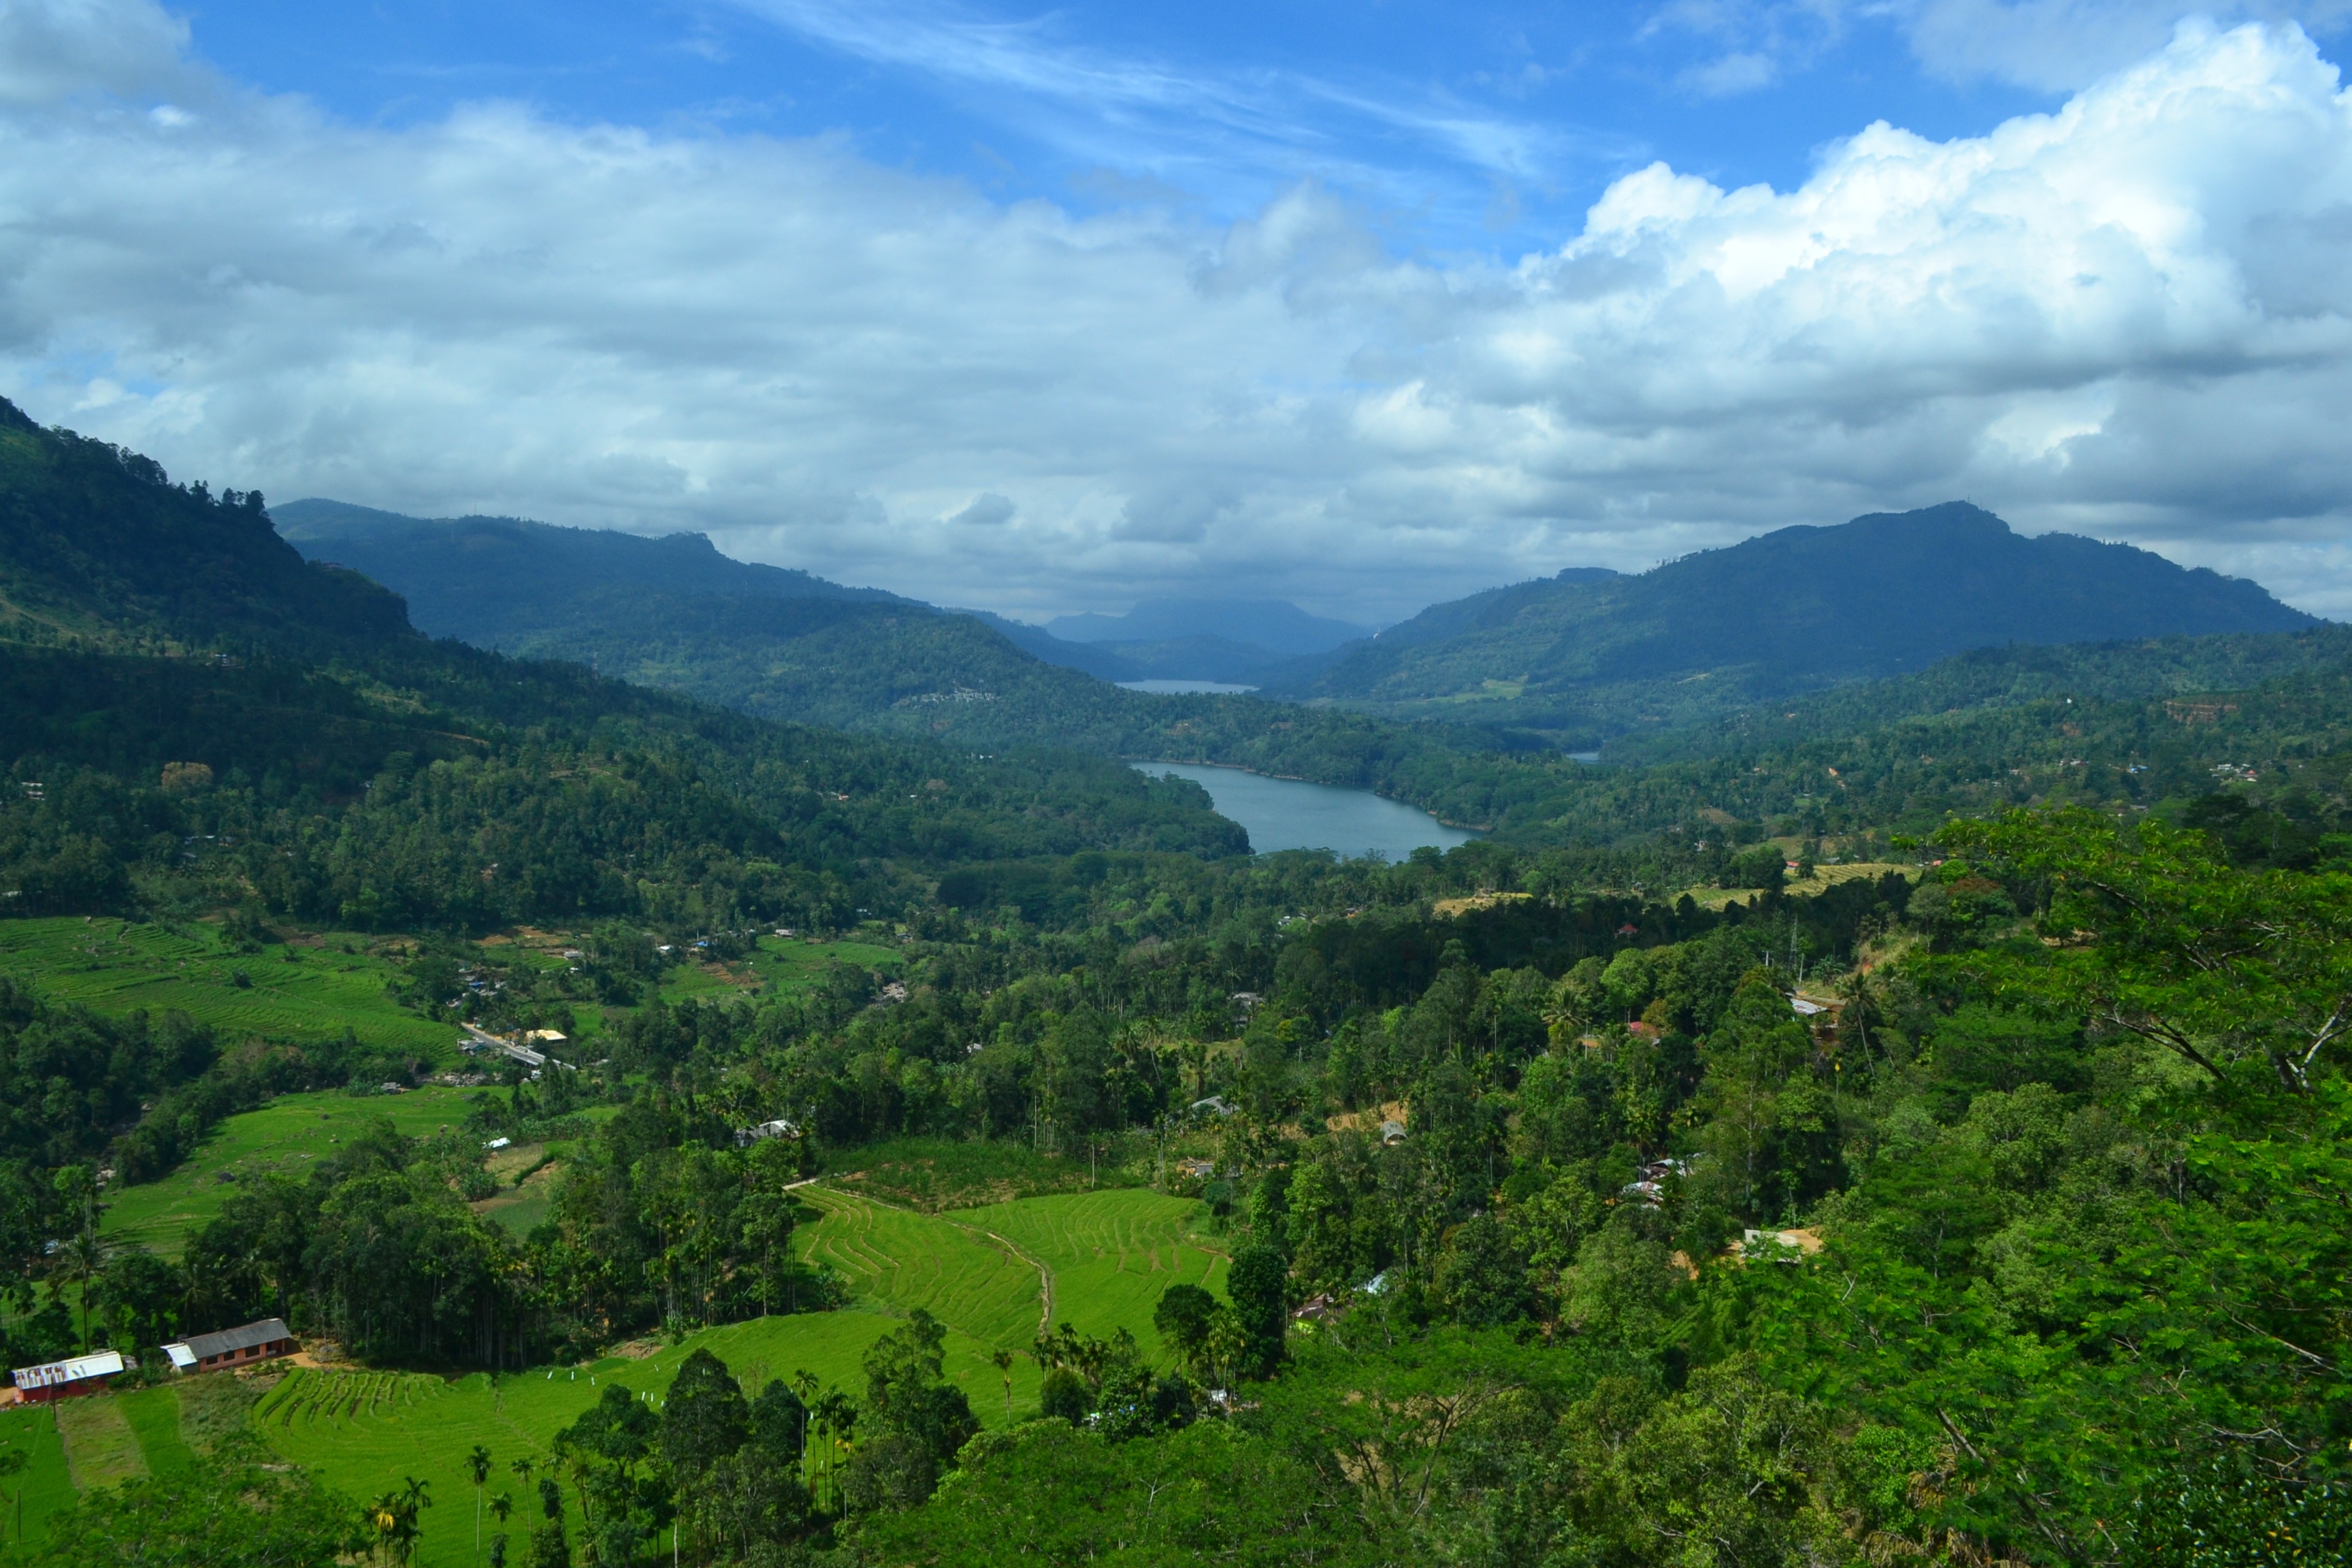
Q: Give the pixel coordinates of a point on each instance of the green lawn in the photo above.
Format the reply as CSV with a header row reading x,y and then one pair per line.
x,y
102,1448
286,1135
116,967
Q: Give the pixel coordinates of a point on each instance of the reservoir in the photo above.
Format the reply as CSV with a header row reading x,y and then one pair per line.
x,y
1284,814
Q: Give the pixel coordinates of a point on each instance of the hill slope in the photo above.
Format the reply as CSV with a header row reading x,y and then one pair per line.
x,y
1791,611
99,548
332,764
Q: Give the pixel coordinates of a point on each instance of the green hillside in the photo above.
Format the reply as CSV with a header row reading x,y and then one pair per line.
x,y
1581,659
1910,1129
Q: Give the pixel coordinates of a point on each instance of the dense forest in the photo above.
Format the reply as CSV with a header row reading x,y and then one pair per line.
x,y
1581,1195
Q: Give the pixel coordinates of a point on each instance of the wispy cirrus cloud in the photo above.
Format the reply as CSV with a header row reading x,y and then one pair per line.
x,y
1161,115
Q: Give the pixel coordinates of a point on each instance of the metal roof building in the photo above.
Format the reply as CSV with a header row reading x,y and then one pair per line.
x,y
65,1379
234,1347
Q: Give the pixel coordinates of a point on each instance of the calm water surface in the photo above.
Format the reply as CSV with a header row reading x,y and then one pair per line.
x,y
1282,813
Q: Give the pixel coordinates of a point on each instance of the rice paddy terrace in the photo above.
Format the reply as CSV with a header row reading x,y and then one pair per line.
x,y
994,1275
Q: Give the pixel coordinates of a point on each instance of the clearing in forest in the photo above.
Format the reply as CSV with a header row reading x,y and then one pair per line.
x,y
1101,1259
1112,1255
288,1135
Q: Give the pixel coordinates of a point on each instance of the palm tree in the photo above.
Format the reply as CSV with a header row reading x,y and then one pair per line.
x,y
415,1496
1003,1360
500,1506
805,1383
478,1464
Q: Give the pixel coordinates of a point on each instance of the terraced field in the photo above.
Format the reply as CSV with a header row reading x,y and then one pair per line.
x,y
1112,1254
117,966
902,1259
985,1272
367,1432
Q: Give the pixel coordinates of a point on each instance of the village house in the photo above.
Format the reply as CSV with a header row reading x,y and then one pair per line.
x,y
69,1379
264,1340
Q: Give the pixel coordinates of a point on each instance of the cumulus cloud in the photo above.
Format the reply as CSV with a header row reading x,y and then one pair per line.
x,y
2129,318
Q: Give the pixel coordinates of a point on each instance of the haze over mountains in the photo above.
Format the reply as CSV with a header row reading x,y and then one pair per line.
x,y
1208,639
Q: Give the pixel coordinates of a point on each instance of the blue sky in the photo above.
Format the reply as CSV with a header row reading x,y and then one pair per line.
x,y
1452,127
1367,306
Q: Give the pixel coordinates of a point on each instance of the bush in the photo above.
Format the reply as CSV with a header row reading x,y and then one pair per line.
x,y
1066,1397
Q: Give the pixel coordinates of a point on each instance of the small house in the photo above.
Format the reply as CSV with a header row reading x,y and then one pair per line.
x,y
69,1379
1391,1134
254,1342
780,1128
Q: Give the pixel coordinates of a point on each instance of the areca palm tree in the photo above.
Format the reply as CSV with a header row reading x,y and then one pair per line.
x,y
805,1383
500,1506
478,1464
1003,1360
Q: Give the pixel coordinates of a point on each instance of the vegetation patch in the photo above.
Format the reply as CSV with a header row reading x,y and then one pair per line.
x,y
285,1137
155,1415
102,1448
301,992
933,1174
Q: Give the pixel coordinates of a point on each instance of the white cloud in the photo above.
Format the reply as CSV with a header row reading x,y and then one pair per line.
x,y
2057,45
55,49
2131,318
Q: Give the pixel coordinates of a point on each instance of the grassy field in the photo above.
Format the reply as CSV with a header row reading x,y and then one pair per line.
x,y
1104,1256
1823,878
117,966
783,964
101,1445
46,1485
153,1415
285,1135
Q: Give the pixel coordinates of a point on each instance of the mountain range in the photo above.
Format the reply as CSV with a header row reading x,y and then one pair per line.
x,y
1586,658
1589,655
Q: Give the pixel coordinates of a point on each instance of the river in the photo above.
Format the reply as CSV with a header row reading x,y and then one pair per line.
x,y
1284,814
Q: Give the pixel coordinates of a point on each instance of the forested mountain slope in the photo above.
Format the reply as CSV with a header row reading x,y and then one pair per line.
x,y
1791,611
195,715
541,591
98,548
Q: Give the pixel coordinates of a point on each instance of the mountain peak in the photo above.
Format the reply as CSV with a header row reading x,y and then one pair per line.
x,y
1795,609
